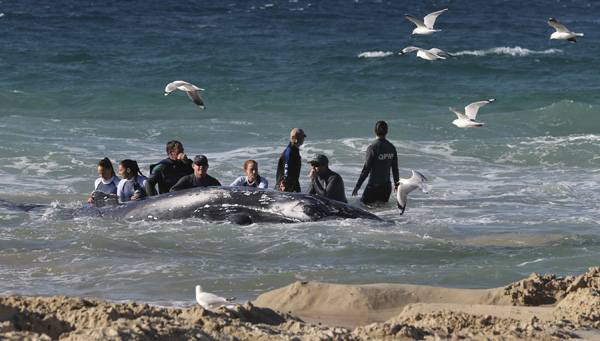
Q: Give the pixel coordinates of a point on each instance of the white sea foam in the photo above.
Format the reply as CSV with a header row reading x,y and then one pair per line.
x,y
375,54
535,261
516,51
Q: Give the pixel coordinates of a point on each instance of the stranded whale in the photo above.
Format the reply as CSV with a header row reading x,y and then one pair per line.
x,y
241,205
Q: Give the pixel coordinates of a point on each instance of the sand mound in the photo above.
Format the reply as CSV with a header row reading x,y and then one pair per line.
x,y
536,308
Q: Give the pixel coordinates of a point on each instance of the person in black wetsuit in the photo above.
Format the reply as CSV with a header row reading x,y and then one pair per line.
x,y
199,178
168,171
290,161
381,157
324,182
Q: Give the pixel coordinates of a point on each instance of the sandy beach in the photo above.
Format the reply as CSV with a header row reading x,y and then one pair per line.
x,y
539,307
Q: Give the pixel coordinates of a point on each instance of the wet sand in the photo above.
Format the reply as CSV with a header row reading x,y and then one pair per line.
x,y
539,307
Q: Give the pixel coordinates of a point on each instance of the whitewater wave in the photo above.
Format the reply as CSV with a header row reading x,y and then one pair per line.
x,y
516,51
375,54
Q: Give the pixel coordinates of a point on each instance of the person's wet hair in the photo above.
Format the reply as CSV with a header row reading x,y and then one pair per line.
x,y
381,128
133,165
172,145
106,164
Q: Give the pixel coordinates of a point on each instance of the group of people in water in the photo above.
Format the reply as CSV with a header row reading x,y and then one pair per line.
x,y
178,172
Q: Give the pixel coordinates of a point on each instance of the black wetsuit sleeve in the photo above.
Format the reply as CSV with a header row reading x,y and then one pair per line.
x,y
369,162
155,176
395,172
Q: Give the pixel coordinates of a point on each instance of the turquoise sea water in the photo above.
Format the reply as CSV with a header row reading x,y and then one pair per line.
x,y
85,80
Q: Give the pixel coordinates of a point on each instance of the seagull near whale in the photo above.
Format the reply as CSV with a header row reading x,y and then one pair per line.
x,y
210,301
431,54
425,26
406,186
562,32
191,90
467,119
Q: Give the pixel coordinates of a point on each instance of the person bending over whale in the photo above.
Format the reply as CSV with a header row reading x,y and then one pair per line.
x,y
252,179
199,178
108,181
324,182
168,171
381,157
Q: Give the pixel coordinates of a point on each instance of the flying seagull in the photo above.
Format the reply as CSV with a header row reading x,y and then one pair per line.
x,y
191,90
425,26
408,185
467,119
431,54
562,32
210,301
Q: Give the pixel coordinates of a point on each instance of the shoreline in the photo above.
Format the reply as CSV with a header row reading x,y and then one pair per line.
x,y
538,307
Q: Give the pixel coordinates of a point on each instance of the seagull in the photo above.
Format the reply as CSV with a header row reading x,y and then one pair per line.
x,y
210,301
467,119
562,32
408,185
191,90
431,54
425,26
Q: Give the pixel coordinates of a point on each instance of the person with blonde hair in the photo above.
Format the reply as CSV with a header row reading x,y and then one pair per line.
x,y
290,161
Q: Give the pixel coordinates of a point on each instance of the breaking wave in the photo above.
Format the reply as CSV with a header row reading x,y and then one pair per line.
x,y
375,54
516,51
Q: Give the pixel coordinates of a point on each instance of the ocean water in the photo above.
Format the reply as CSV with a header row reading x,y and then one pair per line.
x,y
82,80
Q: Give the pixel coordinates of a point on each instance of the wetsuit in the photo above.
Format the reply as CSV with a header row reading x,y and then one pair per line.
x,y
191,181
381,156
329,186
108,187
289,166
166,173
243,181
129,188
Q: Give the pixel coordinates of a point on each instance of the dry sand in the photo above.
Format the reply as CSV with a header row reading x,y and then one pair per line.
x,y
539,308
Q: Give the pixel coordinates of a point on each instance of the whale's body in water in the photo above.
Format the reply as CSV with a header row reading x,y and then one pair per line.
x,y
241,205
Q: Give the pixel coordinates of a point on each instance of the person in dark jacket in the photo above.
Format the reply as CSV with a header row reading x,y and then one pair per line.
x,y
381,157
290,161
324,182
199,179
168,171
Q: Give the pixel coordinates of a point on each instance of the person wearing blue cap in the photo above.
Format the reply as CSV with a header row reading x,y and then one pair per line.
x,y
324,182
199,179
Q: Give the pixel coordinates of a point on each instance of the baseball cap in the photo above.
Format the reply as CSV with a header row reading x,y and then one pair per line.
x,y
200,160
320,159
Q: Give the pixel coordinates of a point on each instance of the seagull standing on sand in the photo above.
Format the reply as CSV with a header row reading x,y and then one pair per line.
x,y
467,119
191,90
431,54
562,32
408,185
210,301
425,26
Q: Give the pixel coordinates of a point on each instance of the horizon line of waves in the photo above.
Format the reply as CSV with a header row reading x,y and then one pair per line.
x,y
516,51
375,54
